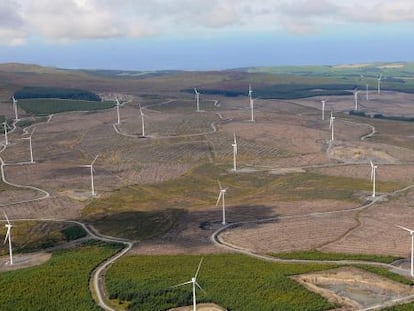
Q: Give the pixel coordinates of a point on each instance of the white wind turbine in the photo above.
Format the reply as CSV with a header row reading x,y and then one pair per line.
x,y
221,196
367,91
379,83
90,166
356,92
197,96
142,121
15,108
194,283
373,173
30,145
8,238
5,132
117,110
412,247
234,145
252,109
323,108
331,126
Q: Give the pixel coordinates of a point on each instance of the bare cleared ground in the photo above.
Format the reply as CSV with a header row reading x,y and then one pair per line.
x,y
201,307
353,288
21,261
286,135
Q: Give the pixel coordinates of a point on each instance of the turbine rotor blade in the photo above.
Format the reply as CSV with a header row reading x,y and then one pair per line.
x,y
198,269
219,184
181,284
218,199
406,229
7,235
94,159
7,218
198,285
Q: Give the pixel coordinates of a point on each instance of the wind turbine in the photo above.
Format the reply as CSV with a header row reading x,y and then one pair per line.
x,y
412,246
356,92
367,91
323,108
234,144
90,166
142,121
197,95
8,237
331,126
117,110
15,108
221,196
379,83
250,91
373,173
5,132
194,283
30,145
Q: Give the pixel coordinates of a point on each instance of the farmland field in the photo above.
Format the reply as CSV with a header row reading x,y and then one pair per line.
x,y
145,282
60,284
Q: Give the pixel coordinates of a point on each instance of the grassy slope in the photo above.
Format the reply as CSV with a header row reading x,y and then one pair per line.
x,y
60,284
198,189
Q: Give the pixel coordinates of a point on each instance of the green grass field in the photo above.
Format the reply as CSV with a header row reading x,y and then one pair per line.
x,y
45,106
62,283
232,281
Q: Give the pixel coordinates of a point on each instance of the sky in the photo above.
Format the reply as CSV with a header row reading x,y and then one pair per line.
x,y
204,34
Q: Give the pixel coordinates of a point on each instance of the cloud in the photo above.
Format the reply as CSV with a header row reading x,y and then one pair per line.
x,y
65,20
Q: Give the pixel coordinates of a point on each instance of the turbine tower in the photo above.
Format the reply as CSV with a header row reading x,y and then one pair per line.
x,y
373,173
197,96
250,91
5,133
90,166
221,196
142,121
8,238
194,283
323,108
367,91
234,144
331,126
356,92
379,83
252,109
15,109
30,145
117,111
412,247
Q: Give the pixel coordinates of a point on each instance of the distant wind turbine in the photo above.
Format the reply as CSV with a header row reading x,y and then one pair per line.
x,y
117,110
331,126
235,151
30,145
15,108
8,238
221,196
373,173
194,283
356,92
142,121
252,109
90,166
379,83
5,132
197,96
412,247
367,91
323,108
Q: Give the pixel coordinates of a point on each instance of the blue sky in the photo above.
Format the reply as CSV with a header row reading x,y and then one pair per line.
x,y
204,34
